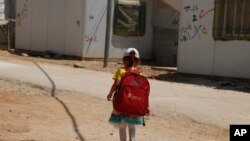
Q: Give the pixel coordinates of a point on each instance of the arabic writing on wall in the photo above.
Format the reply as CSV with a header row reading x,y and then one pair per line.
x,y
195,28
23,14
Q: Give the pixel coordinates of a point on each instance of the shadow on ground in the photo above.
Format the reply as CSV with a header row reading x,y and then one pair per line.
x,y
224,83
67,110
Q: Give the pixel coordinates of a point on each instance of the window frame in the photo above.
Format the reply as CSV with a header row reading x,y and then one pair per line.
x,y
140,27
221,18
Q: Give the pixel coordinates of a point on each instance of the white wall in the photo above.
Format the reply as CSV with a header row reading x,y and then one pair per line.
x,y
95,28
56,37
23,24
199,53
232,59
50,25
38,25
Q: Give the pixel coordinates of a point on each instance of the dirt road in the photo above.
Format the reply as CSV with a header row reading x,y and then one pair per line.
x,y
180,112
29,113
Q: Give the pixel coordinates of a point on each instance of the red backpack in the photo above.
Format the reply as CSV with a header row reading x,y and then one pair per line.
x,y
131,98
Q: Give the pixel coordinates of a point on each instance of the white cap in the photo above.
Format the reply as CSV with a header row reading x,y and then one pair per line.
x,y
129,50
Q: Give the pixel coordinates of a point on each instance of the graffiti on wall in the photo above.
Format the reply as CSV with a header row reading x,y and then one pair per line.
x,y
195,28
90,38
203,13
23,14
175,23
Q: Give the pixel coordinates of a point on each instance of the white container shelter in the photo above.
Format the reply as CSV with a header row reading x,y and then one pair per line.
x,y
214,38
76,27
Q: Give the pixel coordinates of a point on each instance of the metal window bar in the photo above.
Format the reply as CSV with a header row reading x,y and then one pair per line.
x,y
230,14
131,21
225,21
247,19
238,27
242,17
244,31
234,17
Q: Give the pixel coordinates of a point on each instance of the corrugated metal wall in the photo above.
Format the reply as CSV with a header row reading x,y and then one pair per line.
x,y
165,46
2,6
50,25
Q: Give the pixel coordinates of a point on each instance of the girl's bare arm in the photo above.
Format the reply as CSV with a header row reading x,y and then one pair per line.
x,y
113,89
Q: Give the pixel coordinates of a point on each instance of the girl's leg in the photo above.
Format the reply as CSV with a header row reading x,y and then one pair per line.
x,y
131,129
122,131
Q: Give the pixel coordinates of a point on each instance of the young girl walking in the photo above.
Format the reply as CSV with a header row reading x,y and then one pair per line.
x,y
131,62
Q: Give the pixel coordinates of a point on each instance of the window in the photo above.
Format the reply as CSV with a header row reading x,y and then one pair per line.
x,y
232,20
129,18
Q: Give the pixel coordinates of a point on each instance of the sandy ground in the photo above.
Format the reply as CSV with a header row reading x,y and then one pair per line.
x,y
96,65
29,113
